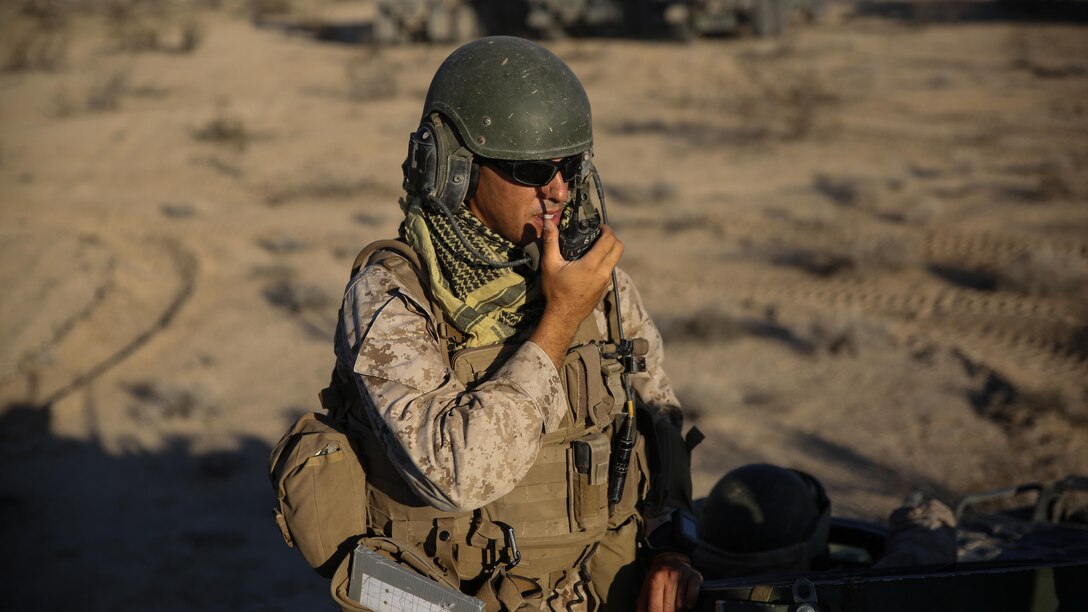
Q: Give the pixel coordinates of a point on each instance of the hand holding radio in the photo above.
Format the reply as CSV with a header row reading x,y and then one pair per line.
x,y
580,232
572,289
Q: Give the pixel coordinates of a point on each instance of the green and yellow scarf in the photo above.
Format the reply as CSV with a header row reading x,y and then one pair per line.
x,y
488,305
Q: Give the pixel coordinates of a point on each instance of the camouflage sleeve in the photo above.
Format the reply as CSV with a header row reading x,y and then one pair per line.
x,y
653,385
457,449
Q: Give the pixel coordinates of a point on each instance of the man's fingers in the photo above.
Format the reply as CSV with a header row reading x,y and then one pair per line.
x,y
668,594
691,594
612,257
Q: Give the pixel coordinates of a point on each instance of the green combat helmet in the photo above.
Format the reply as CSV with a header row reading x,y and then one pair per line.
x,y
510,98
499,97
762,519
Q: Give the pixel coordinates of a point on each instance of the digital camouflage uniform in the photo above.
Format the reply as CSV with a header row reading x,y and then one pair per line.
x,y
459,449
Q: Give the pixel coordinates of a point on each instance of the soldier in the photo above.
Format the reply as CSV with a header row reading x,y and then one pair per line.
x,y
480,389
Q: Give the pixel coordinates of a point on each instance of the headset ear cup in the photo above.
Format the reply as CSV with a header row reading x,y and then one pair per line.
x,y
438,168
422,165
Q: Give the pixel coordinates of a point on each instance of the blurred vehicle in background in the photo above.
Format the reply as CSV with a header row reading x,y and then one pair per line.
x,y
451,21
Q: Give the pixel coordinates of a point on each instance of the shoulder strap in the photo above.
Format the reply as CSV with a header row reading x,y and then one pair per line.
x,y
397,257
396,245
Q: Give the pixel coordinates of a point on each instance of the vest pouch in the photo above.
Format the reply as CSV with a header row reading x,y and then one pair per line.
x,y
320,491
617,573
589,398
473,365
589,481
635,487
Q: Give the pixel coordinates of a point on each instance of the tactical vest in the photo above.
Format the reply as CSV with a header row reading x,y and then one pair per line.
x,y
552,520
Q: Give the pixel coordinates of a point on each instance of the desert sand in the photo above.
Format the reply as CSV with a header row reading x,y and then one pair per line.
x,y
865,243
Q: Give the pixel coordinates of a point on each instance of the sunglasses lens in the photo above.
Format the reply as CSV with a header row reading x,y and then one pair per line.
x,y
535,173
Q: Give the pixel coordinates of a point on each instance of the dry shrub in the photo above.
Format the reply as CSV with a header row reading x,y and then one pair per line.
x,y
368,79
1060,179
695,133
266,8
48,12
861,251
1069,401
178,210
152,26
1024,58
788,111
1046,271
296,296
849,191
800,104
369,218
831,333
887,251
320,187
926,12
788,104
283,243
818,262
104,94
918,210
131,27
1023,412
134,37
840,333
157,402
42,44
779,95
225,129
658,192
192,34
63,104
223,166
892,199
810,333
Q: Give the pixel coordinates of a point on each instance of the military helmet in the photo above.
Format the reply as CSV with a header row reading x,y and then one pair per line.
x,y
761,518
499,97
510,98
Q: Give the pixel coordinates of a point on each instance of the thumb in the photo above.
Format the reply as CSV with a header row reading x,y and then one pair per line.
x,y
550,238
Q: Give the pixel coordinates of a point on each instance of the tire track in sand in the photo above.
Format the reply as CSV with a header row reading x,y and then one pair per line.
x,y
184,265
1013,332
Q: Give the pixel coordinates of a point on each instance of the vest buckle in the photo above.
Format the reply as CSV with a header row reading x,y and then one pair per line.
x,y
511,544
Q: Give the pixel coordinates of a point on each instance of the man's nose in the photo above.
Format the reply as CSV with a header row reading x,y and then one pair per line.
x,y
556,190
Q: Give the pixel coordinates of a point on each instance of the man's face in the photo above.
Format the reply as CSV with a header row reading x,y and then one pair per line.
x,y
516,212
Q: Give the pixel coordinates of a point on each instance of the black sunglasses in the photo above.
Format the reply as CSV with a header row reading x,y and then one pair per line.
x,y
537,172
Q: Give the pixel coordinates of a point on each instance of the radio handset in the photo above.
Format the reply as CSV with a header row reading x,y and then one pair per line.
x,y
584,226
